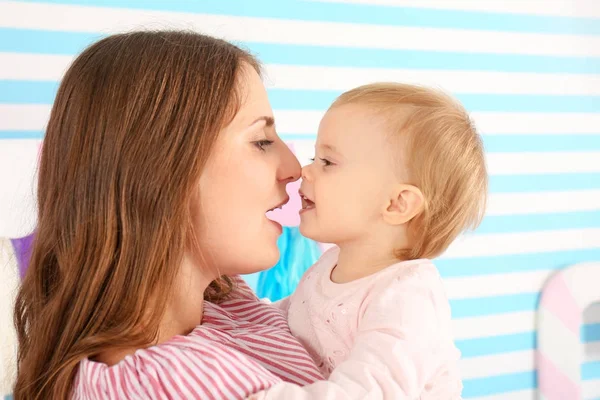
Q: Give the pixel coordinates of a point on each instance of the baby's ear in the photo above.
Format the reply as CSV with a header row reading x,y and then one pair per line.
x,y
405,202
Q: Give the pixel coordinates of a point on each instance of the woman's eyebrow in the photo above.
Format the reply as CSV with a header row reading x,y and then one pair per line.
x,y
269,121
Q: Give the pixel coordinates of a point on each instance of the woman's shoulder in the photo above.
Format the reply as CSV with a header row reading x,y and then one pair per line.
x,y
186,367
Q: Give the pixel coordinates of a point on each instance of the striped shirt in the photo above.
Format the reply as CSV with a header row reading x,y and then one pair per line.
x,y
243,346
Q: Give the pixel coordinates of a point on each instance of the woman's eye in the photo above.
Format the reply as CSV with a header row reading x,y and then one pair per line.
x,y
263,144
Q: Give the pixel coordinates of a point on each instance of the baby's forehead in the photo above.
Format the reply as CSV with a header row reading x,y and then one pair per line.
x,y
360,128
378,114
365,121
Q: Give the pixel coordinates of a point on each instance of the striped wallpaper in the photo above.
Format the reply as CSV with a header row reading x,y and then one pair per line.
x,y
528,71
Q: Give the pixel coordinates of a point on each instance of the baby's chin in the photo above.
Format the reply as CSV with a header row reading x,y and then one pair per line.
x,y
314,233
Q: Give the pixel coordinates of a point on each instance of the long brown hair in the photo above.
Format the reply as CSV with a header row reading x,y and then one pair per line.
x,y
132,125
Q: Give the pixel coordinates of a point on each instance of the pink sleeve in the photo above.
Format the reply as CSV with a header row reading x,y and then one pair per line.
x,y
283,305
395,353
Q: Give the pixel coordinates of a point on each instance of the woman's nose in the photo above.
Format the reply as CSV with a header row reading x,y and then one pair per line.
x,y
290,169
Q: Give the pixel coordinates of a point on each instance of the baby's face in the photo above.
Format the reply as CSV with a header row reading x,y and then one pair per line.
x,y
347,187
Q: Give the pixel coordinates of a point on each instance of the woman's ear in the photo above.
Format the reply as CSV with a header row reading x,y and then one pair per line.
x,y
405,202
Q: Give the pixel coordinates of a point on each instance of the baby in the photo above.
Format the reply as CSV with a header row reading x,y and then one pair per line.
x,y
398,174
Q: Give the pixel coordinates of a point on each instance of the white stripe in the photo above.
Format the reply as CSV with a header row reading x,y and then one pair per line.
x,y
493,325
307,122
566,8
591,389
24,117
344,78
542,163
490,285
537,123
499,364
529,394
547,202
522,164
559,345
8,347
591,315
514,323
35,117
580,280
591,351
24,66
105,20
18,165
523,242
519,163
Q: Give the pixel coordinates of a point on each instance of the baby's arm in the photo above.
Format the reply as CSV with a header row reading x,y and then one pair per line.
x,y
395,353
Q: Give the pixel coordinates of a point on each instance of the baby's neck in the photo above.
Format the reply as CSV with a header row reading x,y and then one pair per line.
x,y
360,260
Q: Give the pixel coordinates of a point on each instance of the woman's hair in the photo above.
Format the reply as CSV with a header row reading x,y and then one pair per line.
x,y
444,156
132,126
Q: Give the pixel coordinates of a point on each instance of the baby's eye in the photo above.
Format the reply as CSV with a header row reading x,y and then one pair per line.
x,y
326,162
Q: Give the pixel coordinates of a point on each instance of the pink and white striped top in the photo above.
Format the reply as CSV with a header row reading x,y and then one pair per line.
x,y
243,346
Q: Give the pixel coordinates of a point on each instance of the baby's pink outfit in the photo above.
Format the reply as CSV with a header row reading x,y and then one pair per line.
x,y
384,336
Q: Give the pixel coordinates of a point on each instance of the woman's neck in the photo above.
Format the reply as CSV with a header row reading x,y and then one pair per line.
x,y
182,313
185,308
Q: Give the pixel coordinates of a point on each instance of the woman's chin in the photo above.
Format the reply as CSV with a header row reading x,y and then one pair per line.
x,y
261,260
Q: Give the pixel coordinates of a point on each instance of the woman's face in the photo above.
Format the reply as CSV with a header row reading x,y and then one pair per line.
x,y
244,178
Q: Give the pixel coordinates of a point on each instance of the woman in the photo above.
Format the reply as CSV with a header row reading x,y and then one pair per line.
x,y
159,163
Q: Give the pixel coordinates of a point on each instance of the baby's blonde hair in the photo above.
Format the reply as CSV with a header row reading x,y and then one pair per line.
x,y
444,155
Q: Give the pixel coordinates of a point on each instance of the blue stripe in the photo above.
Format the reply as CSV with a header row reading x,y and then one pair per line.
x,y
364,14
69,43
540,143
21,135
504,264
486,346
540,222
590,370
43,92
321,99
28,92
499,384
487,386
45,42
481,306
590,333
522,341
543,182
514,143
